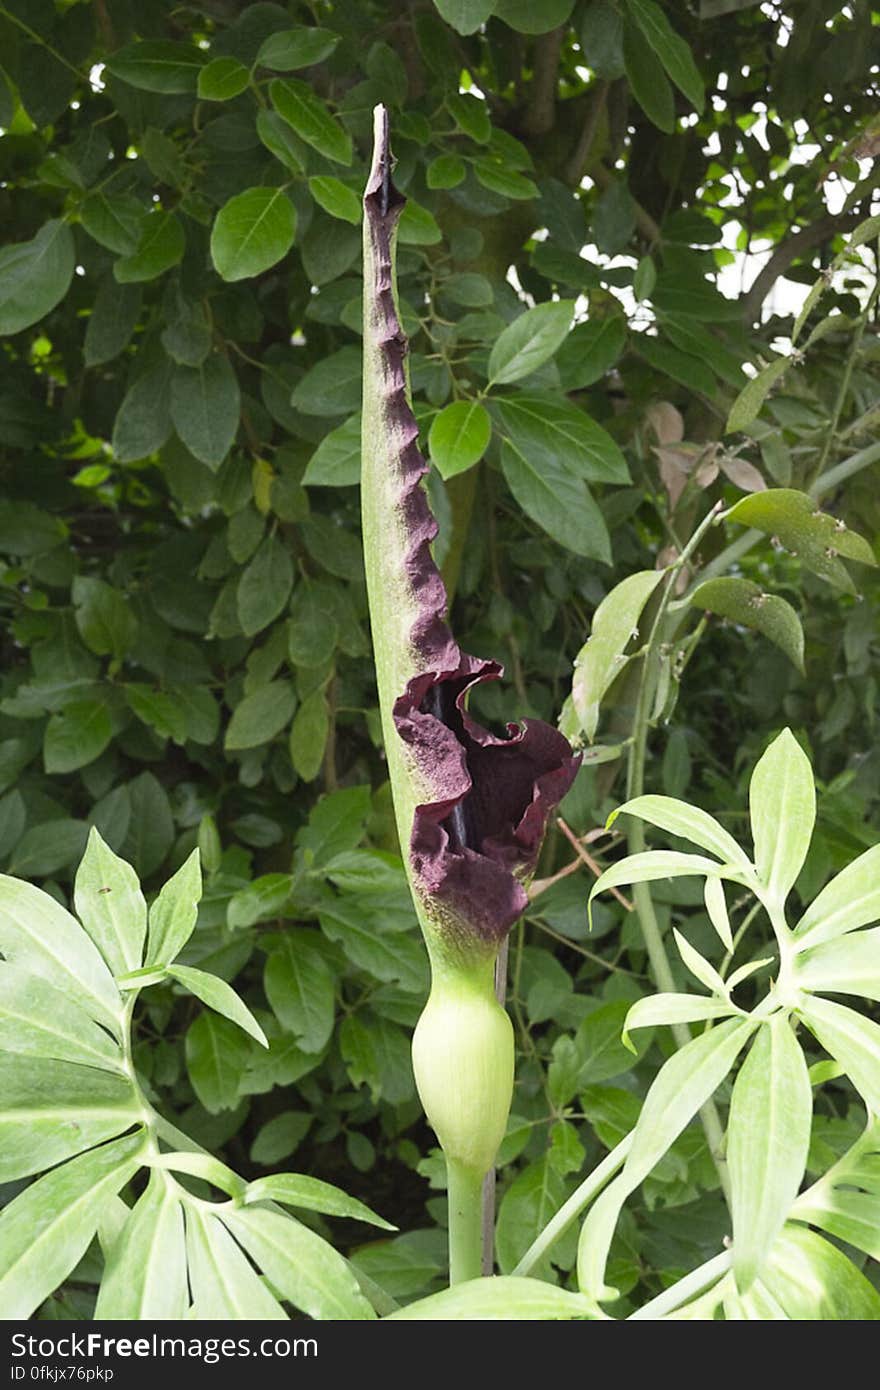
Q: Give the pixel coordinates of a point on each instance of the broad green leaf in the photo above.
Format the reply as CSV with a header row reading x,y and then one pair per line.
x,y
160,246
534,1196
601,38
470,289
337,460
217,1053
173,913
817,538
308,736
852,1039
528,18
699,966
115,312
746,603
48,847
768,1135
446,171
648,82
387,956
37,935
262,899
225,1286
559,502
260,716
222,79
105,622
161,711
689,823
280,140
265,586
205,405
300,1265
307,114
336,198
151,830
142,425
681,1087
158,65
252,232
465,16
590,350
815,1282
499,178
547,430
782,808
38,1020
313,631
471,114
332,386
459,437
311,1194
691,372
145,1274
716,907
111,906
290,49
114,220
500,1299
528,342
45,1230
664,1009
847,966
54,1109
753,395
219,996
76,735
849,901
301,990
670,48
418,226
601,659
35,276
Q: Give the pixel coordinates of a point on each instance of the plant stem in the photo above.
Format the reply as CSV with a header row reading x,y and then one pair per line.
x,y
465,1192
571,1209
685,1288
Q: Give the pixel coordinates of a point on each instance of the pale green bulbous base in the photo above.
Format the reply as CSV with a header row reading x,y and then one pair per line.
x,y
463,1059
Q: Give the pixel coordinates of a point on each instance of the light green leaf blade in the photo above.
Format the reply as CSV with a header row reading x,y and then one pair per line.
x,y
219,996
748,403
746,603
663,1009
853,1040
850,965
290,49
459,437
650,865
527,343
45,1230
111,906
252,232
300,989
499,1299
815,537
849,901
204,1166
601,658
768,1135
815,1282
849,1215
52,1110
174,912
337,460
34,276
782,808
689,823
307,114
145,1274
699,966
311,1194
225,1285
301,1266
716,907
336,198
38,1020
222,79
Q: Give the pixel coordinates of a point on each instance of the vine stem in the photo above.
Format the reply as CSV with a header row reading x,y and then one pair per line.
x,y
465,1192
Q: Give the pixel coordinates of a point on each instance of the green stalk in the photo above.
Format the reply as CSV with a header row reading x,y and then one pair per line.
x,y
465,1192
572,1208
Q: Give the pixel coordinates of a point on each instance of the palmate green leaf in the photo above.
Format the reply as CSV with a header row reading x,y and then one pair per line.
x,y
217,1054
560,503
665,1009
817,538
35,276
847,966
301,990
746,603
46,1229
549,430
500,1299
782,808
768,1135
53,1110
205,407
111,906
158,65
689,823
76,735
300,1265
601,659
850,1038
160,245
681,1087
290,49
465,16
219,996
814,1282
252,232
311,1194
307,114
849,901
225,1285
39,1020
39,936
670,48
459,437
145,1277
173,914
528,342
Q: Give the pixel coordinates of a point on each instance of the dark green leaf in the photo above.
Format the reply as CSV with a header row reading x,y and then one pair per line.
x,y
34,276
158,65
307,114
290,49
205,405
253,231
160,245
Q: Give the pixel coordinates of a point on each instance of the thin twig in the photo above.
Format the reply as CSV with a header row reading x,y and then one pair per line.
x,y
578,163
595,869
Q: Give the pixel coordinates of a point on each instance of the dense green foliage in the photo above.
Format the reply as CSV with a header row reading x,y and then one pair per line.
x,y
186,653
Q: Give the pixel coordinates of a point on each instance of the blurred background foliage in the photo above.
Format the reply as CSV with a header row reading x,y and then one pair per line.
x,y
186,654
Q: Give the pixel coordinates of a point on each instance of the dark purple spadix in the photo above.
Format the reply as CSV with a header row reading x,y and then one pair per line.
x,y
471,807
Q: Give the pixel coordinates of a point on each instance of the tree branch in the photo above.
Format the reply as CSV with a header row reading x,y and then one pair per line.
x,y
578,162
789,251
541,114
